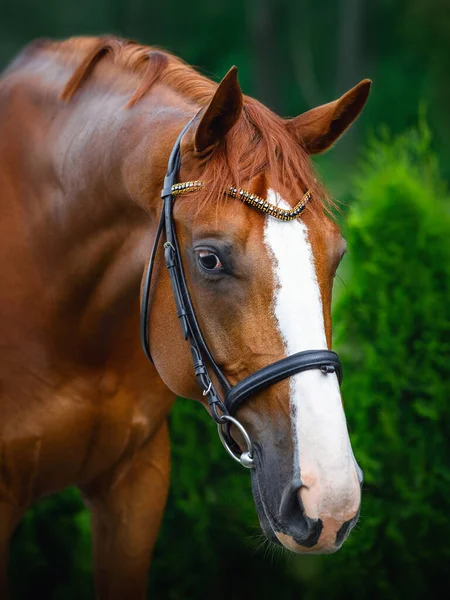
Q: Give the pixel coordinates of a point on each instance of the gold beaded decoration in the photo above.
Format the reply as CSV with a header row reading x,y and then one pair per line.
x,y
178,189
252,199
267,207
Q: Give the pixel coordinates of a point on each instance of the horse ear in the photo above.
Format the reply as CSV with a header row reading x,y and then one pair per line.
x,y
221,114
320,127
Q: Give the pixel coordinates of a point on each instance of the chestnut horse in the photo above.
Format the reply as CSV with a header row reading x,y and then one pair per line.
x,y
87,126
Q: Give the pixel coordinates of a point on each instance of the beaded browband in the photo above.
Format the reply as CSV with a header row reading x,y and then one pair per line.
x,y
179,189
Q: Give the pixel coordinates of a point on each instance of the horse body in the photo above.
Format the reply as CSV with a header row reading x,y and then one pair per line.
x,y
79,403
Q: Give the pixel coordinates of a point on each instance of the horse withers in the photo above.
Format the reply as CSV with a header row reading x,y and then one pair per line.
x,y
88,125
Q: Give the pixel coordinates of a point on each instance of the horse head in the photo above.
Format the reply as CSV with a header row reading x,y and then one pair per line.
x,y
259,251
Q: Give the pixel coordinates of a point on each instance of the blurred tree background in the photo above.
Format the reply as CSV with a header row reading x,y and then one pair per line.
x,y
391,315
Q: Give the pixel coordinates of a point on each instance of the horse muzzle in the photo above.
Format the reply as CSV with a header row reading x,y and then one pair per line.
x,y
306,516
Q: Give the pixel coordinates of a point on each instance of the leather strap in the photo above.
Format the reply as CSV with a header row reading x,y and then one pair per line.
x,y
173,167
325,360
185,310
145,304
172,255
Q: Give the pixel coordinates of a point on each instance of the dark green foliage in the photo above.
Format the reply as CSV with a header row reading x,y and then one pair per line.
x,y
393,332
51,551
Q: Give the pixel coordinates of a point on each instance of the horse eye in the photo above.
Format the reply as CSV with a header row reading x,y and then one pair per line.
x,y
209,260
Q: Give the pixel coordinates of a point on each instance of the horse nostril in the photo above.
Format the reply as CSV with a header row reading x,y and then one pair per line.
x,y
304,530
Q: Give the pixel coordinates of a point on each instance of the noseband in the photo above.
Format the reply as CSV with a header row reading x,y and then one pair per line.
x,y
221,411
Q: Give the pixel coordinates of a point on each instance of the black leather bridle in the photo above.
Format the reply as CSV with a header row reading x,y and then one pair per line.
x,y
221,411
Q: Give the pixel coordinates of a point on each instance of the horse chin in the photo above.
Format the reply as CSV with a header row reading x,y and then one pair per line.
x,y
264,520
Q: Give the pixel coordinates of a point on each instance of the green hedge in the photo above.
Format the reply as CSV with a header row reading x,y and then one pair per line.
x,y
393,333
392,328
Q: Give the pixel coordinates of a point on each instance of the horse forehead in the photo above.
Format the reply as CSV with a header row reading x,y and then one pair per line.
x,y
230,218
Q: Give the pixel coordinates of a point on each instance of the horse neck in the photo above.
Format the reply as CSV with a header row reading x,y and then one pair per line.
x,y
88,177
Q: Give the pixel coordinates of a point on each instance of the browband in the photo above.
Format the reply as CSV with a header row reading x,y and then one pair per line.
x,y
179,189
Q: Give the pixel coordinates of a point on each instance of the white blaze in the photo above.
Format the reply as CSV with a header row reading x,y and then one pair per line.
x,y
323,451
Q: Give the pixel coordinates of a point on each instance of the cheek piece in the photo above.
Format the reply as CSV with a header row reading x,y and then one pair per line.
x,y
222,411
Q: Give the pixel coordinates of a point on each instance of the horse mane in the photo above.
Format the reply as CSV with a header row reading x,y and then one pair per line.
x,y
258,144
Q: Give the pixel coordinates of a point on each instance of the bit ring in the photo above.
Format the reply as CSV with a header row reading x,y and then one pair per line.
x,y
245,458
